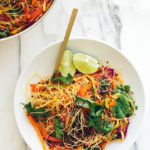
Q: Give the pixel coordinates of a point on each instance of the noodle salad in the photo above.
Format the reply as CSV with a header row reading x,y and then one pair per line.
x,y
80,111
17,15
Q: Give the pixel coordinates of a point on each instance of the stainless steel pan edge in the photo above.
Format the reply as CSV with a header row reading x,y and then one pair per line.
x,y
32,26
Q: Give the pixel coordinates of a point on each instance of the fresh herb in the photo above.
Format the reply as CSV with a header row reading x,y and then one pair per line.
x,y
38,114
122,89
122,108
127,88
94,118
107,128
136,107
62,79
83,102
104,85
7,28
59,126
3,34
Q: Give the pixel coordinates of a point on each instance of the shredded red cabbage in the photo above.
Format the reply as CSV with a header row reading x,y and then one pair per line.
x,y
126,130
119,130
110,71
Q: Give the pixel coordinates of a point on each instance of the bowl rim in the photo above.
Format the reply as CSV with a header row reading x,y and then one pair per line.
x,y
93,40
31,26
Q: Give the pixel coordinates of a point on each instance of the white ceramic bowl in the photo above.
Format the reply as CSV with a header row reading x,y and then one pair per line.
x,y
44,63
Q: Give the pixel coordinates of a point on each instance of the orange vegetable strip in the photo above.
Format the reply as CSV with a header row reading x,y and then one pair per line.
x,y
112,103
113,83
17,29
117,78
62,148
79,148
54,139
35,14
100,103
84,90
67,121
33,122
104,145
109,140
34,1
43,132
34,89
107,96
2,27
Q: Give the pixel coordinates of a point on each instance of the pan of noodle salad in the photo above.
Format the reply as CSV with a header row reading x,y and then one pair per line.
x,y
17,16
94,102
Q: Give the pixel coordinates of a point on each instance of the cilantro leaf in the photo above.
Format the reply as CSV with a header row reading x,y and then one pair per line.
x,y
83,102
107,128
122,108
3,34
117,111
127,88
122,89
59,126
39,113
94,118
62,79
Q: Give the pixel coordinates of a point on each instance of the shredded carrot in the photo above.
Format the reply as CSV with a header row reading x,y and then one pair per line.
x,y
35,89
104,145
107,96
99,102
17,29
3,27
62,148
79,148
117,78
43,132
112,103
124,126
33,122
35,14
83,90
33,2
109,139
54,139
49,4
67,121
115,126
113,83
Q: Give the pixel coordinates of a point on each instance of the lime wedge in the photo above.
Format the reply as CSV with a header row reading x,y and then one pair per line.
x,y
85,63
66,65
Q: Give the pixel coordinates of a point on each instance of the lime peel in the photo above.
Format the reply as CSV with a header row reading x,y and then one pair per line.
x,y
85,63
66,66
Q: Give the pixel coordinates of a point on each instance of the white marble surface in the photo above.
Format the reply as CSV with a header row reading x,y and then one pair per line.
x,y
123,23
